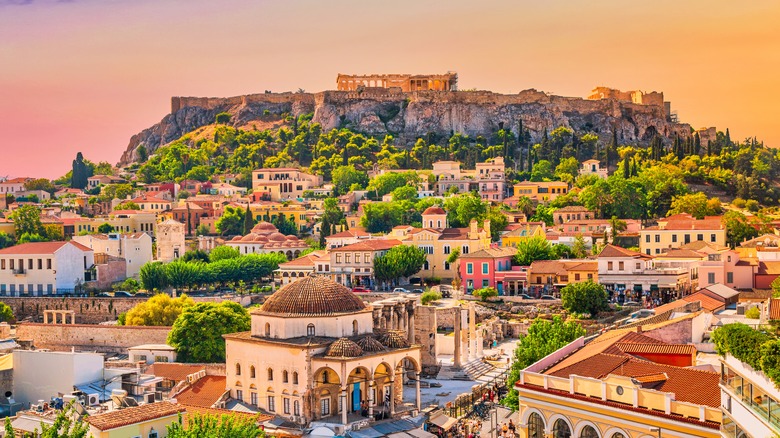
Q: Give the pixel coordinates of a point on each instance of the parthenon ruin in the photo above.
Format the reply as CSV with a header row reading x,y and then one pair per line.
x,y
407,83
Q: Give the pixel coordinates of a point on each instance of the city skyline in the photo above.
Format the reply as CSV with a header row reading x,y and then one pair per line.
x,y
86,76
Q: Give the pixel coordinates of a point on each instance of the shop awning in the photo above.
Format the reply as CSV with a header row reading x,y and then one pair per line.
x,y
443,421
419,433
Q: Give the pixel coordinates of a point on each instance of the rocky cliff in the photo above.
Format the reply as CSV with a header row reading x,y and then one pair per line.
x,y
408,116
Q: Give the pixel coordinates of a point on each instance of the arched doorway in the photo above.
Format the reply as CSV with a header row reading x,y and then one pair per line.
x,y
589,432
327,389
535,426
561,429
357,389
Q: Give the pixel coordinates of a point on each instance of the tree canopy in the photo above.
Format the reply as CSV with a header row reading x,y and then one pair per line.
x,y
586,297
197,333
532,249
399,261
159,310
204,425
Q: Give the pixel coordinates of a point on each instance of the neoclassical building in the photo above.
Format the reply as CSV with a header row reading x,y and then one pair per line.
x,y
265,238
313,353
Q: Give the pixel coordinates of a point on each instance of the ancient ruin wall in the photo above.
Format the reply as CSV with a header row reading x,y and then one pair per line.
x,y
100,338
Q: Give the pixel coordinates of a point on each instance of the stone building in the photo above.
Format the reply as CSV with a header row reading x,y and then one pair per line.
x,y
313,354
170,240
406,82
265,238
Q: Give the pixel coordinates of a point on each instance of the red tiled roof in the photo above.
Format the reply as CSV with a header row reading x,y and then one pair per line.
x,y
350,233
133,415
40,248
16,180
434,210
656,348
769,268
206,392
616,251
707,302
176,372
370,245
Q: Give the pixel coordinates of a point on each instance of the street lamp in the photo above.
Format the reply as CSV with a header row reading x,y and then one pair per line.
x,y
656,429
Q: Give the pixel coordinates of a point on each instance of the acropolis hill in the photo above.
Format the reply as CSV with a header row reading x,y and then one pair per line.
x,y
412,106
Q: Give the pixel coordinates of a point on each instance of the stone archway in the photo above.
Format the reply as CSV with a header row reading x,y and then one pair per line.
x,y
325,393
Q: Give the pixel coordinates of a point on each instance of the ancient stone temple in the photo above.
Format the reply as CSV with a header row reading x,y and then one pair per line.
x,y
407,83
313,353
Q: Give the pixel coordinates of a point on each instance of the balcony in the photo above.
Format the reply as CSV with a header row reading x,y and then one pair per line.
x,y
20,272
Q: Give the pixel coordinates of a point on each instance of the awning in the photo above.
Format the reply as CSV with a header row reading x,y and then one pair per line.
x,y
443,421
399,435
419,433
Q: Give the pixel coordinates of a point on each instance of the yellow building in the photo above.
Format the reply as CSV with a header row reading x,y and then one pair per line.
x,y
548,274
541,191
681,229
148,420
523,232
623,384
438,241
269,211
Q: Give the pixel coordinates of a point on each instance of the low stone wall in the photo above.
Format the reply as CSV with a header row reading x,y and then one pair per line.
x,y
100,338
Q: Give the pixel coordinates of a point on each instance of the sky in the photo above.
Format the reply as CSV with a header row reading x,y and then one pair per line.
x,y
85,75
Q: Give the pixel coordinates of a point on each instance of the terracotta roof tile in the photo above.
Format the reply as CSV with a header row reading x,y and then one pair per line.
x,y
133,415
657,348
313,295
504,251
40,248
176,372
769,268
206,392
370,245
688,385
616,251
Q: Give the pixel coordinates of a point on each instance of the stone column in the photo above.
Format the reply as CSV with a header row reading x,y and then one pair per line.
x,y
45,317
457,340
411,326
371,390
344,405
417,389
392,393
472,332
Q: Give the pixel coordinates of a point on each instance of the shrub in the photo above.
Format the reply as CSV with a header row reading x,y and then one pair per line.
x,y
753,313
430,296
738,202
752,205
586,297
485,293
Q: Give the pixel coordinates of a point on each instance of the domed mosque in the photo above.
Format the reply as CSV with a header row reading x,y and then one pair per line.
x,y
266,238
312,353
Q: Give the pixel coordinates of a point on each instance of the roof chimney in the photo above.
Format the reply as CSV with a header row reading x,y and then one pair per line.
x,y
639,329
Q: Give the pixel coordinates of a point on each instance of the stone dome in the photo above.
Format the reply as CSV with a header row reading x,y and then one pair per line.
x,y
276,237
394,339
236,239
249,237
313,296
291,237
264,226
370,345
261,239
343,347
434,210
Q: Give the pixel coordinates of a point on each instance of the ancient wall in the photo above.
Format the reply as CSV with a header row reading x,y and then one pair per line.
x,y
404,82
100,338
425,335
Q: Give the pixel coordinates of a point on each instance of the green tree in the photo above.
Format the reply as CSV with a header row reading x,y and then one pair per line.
x,y
224,252
738,229
383,184
485,293
344,177
399,261
429,296
5,240
159,310
535,248
197,333
141,154
196,255
200,425
6,313
498,223
618,226
182,274
80,172
579,249
64,426
27,219
695,204
285,226
542,171
128,284
232,222
153,276
249,221
105,228
567,170
127,205
31,237
543,338
462,209
381,217
585,297
222,118
40,184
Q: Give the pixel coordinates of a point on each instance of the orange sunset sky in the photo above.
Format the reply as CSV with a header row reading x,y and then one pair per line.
x,y
85,75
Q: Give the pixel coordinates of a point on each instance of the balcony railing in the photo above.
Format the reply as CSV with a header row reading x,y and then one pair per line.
x,y
20,272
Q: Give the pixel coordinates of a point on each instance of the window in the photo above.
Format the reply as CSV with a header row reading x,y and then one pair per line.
x,y
610,266
30,263
674,238
252,372
286,405
354,327
270,374
446,266
347,258
253,398
657,238
711,277
367,258
40,264
325,407
647,238
268,330
700,237
338,259
153,434
310,330
712,238
2,264
446,249
464,249
485,282
729,277
576,277
687,238
272,403
161,358
285,376
296,408
469,268
621,266
238,369
638,266
239,395
485,268
535,426
295,377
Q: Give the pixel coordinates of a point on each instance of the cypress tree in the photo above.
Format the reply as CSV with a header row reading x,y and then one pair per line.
x,y
728,137
324,231
634,171
626,168
248,222
696,143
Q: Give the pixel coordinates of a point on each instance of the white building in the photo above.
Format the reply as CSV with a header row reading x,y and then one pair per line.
x,y
14,185
44,268
40,375
749,401
170,240
151,353
593,167
135,248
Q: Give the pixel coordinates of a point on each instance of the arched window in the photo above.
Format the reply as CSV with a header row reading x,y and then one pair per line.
x,y
618,435
310,330
268,329
535,426
296,408
325,376
270,374
252,372
354,327
589,432
285,376
238,369
295,377
561,429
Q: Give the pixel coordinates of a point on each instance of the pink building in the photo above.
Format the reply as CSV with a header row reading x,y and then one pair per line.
x,y
486,268
727,268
